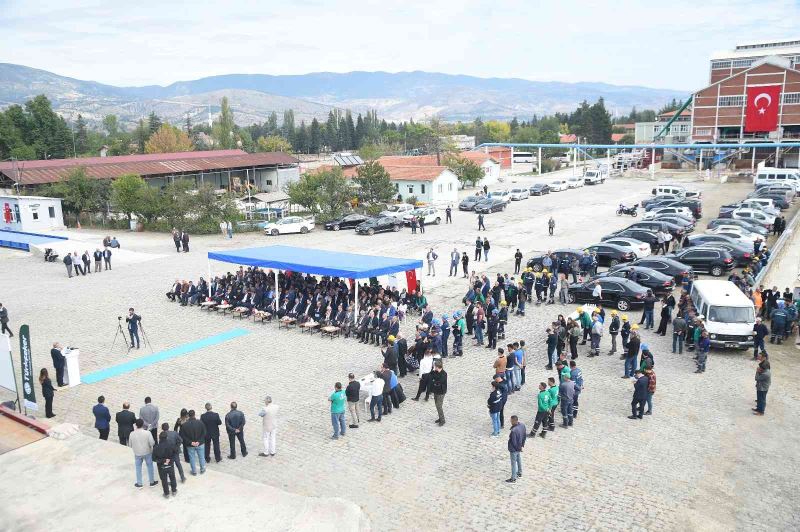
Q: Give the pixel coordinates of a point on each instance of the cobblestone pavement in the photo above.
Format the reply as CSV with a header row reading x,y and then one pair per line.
x,y
702,461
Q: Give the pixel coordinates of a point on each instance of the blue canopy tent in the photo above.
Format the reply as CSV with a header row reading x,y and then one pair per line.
x,y
315,262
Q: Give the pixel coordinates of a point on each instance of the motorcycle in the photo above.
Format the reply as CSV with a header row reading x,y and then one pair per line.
x,y
632,211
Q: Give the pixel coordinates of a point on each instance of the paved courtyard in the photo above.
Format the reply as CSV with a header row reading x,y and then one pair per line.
x,y
701,462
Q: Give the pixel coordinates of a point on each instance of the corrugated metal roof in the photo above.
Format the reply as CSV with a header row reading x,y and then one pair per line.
x,y
38,172
347,160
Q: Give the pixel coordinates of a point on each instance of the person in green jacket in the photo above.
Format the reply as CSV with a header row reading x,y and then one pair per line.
x,y
563,371
552,403
586,323
698,331
542,411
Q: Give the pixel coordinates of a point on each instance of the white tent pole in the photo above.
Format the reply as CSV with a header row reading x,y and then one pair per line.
x,y
355,302
209,277
277,292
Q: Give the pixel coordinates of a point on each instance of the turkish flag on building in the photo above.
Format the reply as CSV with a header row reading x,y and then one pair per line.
x,y
411,279
763,105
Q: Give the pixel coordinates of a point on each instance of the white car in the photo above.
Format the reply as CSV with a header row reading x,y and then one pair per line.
x,y
289,224
558,185
755,216
637,247
504,195
517,194
429,214
763,204
574,182
734,231
680,211
397,210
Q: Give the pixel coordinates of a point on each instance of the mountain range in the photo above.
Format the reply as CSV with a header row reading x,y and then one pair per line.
x,y
395,96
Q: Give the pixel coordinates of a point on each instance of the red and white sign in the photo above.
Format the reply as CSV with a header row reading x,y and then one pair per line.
x,y
763,105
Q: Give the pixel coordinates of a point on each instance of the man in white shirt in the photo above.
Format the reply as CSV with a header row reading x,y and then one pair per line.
x,y
597,292
376,399
269,424
425,368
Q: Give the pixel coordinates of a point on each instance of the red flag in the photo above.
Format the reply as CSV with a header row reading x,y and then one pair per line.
x,y
763,104
411,279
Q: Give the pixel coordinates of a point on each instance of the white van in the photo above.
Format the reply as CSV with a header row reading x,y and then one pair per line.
x,y
596,175
729,315
674,190
772,176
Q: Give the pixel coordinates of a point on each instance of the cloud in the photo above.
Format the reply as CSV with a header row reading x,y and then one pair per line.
x,y
621,41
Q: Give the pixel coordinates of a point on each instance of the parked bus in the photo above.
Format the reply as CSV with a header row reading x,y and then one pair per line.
x,y
524,157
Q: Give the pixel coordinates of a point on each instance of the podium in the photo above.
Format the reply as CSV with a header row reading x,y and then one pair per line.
x,y
72,369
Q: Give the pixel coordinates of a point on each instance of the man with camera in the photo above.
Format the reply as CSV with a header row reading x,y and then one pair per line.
x,y
133,320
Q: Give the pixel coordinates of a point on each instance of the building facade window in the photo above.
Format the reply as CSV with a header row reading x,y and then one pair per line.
x,y
741,63
449,187
702,132
410,189
791,97
730,101
422,189
718,65
440,188
51,211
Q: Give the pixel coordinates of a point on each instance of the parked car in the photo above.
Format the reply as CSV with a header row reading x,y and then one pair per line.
x,y
617,292
701,240
595,176
574,182
535,263
674,190
765,204
753,228
655,225
611,254
659,199
680,221
754,215
517,194
736,232
539,189
715,261
468,203
782,198
741,254
398,210
667,266
639,234
490,205
637,247
659,283
681,211
429,214
379,225
558,185
782,188
694,205
346,222
289,224
504,195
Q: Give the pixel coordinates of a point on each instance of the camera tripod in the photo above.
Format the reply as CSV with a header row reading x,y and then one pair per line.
x,y
144,337
121,331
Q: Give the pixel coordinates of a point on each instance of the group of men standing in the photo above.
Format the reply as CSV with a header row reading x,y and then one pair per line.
x,y
83,264
181,240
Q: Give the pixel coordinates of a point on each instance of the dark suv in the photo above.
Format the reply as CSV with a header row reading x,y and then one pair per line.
x,y
611,254
715,261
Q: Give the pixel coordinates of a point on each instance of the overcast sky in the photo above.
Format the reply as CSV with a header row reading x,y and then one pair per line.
x,y
664,44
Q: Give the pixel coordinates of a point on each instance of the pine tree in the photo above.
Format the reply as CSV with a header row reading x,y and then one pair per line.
x,y
514,125
287,128
351,131
81,135
314,137
271,125
154,122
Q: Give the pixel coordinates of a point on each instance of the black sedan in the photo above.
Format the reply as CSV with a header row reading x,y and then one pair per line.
x,y
351,221
680,221
616,292
659,283
667,266
379,225
469,203
539,189
655,225
741,255
490,205
659,199
611,254
556,256
715,261
642,235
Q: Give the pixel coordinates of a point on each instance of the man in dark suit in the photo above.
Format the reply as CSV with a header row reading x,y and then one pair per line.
x,y
59,361
133,321
234,424
102,418
212,422
125,420
107,258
